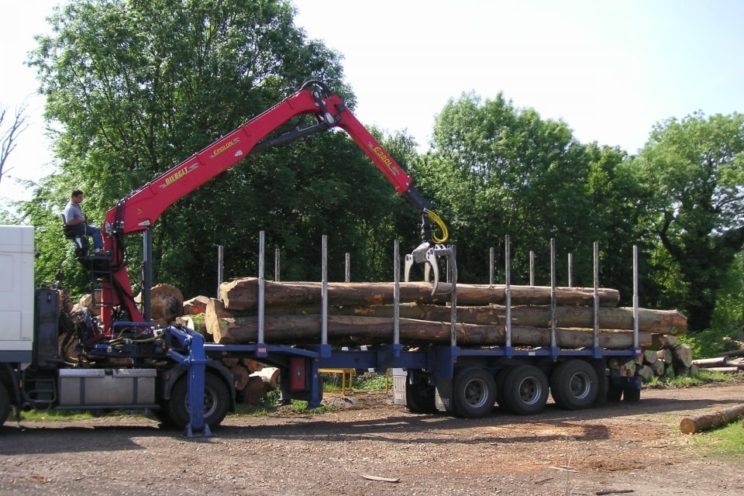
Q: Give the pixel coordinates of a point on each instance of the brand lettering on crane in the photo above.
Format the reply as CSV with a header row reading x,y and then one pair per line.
x,y
224,147
385,159
186,169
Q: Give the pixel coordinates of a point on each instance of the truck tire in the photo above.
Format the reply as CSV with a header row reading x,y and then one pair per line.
x,y
574,385
474,393
4,404
419,396
216,402
525,390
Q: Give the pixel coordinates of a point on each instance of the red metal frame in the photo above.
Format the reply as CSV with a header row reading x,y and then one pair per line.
x,y
142,208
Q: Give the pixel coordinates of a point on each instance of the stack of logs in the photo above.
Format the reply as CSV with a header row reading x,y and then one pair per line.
x,y
671,360
361,314
730,362
252,380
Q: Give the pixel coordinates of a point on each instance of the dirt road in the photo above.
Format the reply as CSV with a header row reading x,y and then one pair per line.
x,y
623,447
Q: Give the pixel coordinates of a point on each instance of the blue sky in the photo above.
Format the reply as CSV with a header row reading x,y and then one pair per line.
x,y
610,70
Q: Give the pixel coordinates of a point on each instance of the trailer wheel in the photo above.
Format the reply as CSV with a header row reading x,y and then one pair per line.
x,y
4,404
216,402
525,390
419,395
574,385
474,393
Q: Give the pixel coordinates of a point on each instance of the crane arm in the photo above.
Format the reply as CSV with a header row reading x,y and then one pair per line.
x,y
140,210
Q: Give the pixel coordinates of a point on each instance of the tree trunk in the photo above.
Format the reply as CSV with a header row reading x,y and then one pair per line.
x,y
699,423
654,321
682,355
710,362
269,375
242,294
343,330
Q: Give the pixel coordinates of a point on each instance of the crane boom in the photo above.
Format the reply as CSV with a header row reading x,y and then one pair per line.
x,y
140,210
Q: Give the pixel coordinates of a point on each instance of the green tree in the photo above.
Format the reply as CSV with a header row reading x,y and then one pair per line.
x,y
694,168
135,87
500,170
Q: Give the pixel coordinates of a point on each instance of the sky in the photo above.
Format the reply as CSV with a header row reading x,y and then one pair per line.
x,y
610,70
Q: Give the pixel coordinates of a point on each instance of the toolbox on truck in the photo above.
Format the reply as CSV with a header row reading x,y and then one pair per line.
x,y
106,387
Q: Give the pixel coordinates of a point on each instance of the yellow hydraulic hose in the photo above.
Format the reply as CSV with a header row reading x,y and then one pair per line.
x,y
442,227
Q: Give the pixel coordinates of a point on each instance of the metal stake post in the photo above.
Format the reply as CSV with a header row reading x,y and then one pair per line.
x,y
146,274
347,267
596,295
532,268
277,264
396,293
220,267
636,343
324,309
491,261
261,291
553,340
570,270
452,267
507,268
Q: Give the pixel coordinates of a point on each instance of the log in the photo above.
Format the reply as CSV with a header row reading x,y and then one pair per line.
x,y
668,341
704,422
659,367
269,375
195,305
241,377
665,355
723,370
166,303
682,355
649,357
213,313
242,294
253,391
343,330
195,322
251,364
625,368
645,372
655,321
710,362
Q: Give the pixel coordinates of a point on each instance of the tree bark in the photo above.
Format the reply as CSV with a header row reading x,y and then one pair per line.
x,y
699,423
269,375
342,330
242,294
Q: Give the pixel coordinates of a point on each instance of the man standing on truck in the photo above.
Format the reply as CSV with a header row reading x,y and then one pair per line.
x,y
76,222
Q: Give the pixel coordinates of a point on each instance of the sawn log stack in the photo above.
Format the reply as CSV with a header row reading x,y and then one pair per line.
x,y
361,313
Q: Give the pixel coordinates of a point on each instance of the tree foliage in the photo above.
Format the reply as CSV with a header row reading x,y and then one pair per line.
x,y
694,169
135,87
501,170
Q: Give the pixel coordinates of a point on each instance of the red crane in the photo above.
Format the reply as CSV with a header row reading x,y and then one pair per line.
x,y
141,209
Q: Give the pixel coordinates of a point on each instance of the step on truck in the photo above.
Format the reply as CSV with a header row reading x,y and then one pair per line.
x,y
122,361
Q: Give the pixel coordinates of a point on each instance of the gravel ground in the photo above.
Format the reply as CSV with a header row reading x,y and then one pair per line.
x,y
624,447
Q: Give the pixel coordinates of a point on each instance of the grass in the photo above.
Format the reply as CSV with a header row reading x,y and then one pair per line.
x,y
368,382
702,377
726,441
59,415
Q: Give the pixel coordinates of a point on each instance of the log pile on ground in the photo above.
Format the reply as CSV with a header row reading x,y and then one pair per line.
x,y
730,362
670,360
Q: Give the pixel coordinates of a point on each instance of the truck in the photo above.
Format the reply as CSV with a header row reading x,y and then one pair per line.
x,y
123,361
